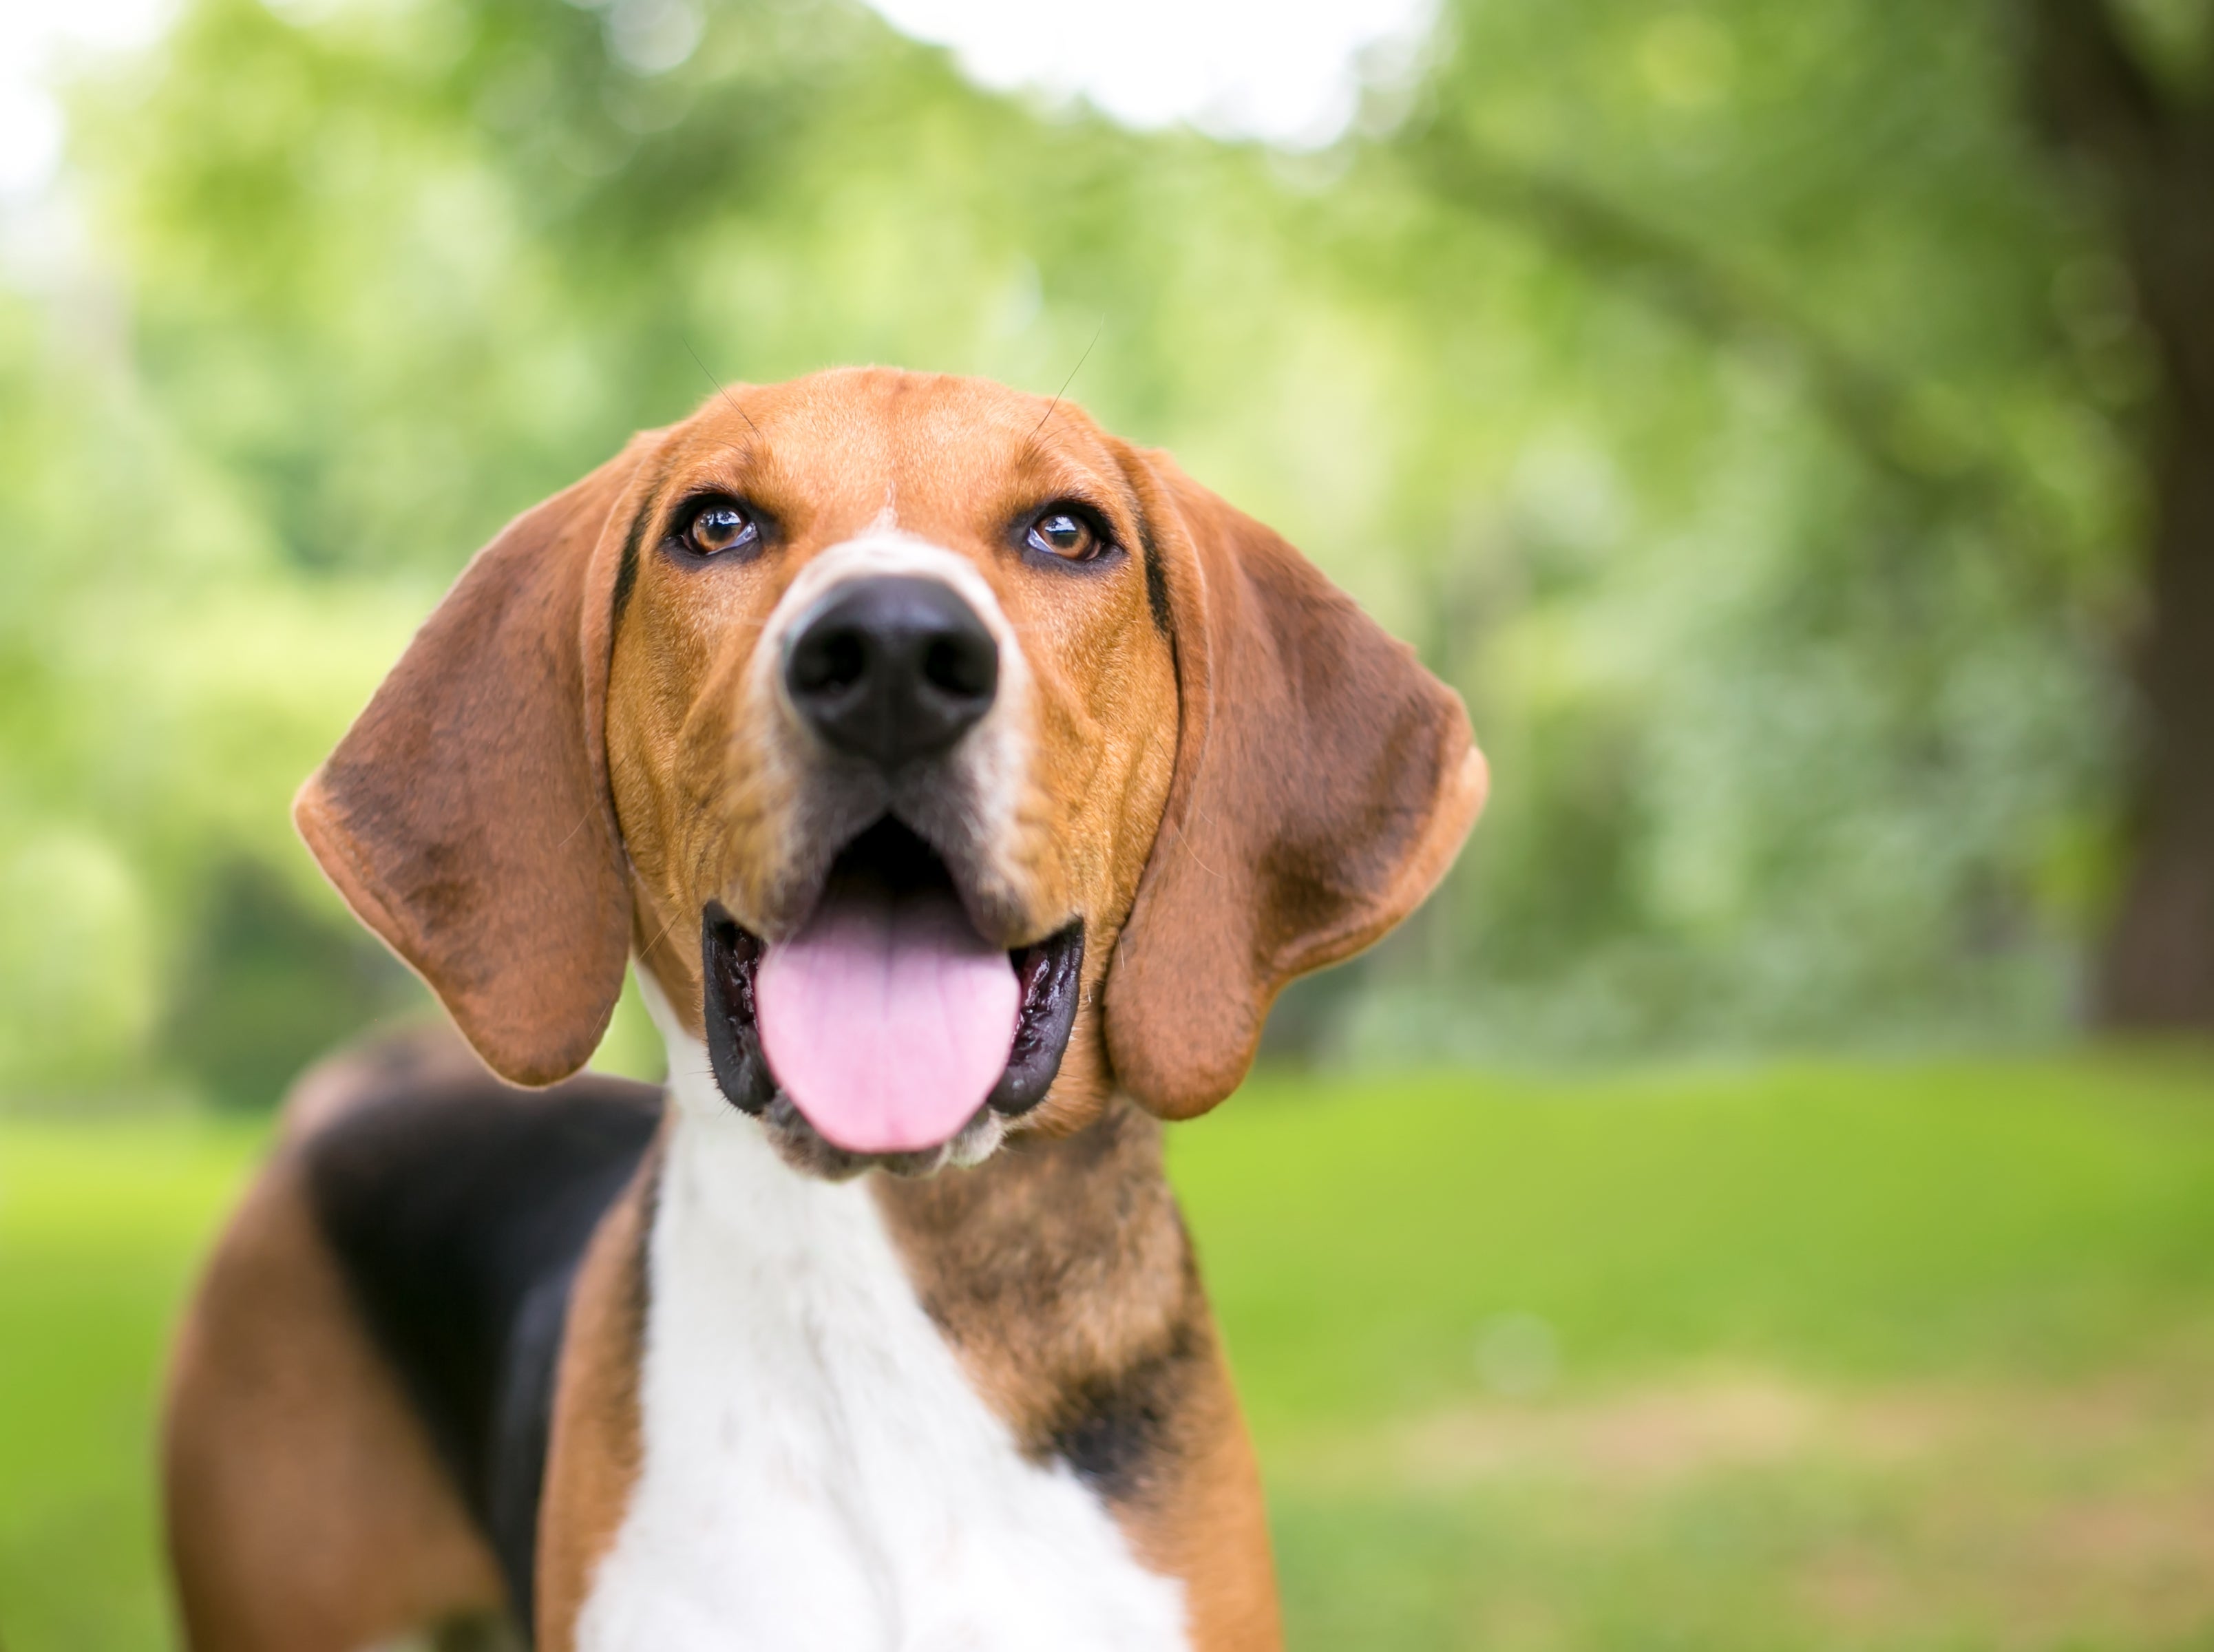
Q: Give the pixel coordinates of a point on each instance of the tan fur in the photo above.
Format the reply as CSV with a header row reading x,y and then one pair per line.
x,y
1117,1316
1264,791
478,769
1212,1529
1232,778
592,1460
1324,782
704,790
306,1510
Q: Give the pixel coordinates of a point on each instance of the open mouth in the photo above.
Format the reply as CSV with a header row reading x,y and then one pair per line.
x,y
887,1020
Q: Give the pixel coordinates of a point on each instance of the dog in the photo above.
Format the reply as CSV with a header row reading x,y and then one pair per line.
x,y
964,784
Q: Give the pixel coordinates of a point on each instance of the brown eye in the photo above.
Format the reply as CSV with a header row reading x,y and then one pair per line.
x,y
718,526
1067,535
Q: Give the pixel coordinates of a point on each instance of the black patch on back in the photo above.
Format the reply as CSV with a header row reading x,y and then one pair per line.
x,y
1114,1428
459,1210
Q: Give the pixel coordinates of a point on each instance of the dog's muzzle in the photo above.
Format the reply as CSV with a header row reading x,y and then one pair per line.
x,y
881,1019
892,669
886,1025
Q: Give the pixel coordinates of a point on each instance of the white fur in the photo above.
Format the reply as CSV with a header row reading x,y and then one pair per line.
x,y
818,1474
996,752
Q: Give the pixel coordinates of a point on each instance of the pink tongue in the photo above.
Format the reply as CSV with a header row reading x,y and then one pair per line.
x,y
888,1019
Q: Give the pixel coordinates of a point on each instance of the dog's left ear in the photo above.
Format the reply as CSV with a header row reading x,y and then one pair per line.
x,y
1323,783
466,816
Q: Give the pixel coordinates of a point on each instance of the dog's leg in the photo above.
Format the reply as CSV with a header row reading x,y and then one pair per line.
x,y
593,1457
306,1509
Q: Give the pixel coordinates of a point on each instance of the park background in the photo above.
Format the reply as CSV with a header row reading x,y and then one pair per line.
x,y
1766,1200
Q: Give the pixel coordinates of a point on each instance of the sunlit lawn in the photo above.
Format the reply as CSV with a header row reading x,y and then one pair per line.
x,y
1911,1358
99,1227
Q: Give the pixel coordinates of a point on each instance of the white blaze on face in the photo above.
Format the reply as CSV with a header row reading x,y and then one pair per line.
x,y
992,754
887,1019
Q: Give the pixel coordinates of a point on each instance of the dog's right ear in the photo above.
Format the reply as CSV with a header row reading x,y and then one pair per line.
x,y
466,816
1324,782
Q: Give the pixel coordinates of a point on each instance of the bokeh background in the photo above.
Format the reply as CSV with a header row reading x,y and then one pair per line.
x,y
1766,1199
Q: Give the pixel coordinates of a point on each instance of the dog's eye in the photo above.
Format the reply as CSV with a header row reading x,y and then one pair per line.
x,y
718,526
1067,535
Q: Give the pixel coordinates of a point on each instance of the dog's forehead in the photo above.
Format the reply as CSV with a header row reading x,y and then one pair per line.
x,y
931,450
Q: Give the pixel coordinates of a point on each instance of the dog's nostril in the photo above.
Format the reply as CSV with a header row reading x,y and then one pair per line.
x,y
955,665
891,669
837,661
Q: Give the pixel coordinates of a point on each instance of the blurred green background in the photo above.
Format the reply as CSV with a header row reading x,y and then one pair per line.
x,y
1789,423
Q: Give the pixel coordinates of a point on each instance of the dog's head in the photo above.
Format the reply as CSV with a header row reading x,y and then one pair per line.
x,y
945,763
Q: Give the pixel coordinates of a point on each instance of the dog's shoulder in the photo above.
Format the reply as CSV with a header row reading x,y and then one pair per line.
x,y
458,1209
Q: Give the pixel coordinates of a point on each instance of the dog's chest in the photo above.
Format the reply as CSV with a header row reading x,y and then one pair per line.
x,y
817,1472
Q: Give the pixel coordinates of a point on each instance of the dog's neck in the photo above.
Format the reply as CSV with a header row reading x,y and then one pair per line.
x,y
1050,1270
807,1399
1020,1261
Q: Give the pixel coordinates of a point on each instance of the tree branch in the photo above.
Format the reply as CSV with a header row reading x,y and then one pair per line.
x,y
2091,92
2153,148
1876,415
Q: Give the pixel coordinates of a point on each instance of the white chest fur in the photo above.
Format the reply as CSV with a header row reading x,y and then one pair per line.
x,y
818,1474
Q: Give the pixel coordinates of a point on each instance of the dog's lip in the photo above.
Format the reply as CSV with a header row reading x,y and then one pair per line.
x,y
730,953
1051,974
786,910
1048,970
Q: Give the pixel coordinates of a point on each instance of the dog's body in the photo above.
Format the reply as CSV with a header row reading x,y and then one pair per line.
x,y
894,692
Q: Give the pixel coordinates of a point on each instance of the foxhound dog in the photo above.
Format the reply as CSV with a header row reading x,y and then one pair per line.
x,y
964,784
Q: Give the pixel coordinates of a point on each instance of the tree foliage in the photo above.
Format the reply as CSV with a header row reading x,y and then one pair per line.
x,y
1729,397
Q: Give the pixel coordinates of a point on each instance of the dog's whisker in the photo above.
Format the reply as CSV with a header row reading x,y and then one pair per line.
x,y
1065,382
729,401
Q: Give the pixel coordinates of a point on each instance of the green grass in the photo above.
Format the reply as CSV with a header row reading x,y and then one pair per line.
x,y
1909,1357
1867,1222
1902,1357
101,1228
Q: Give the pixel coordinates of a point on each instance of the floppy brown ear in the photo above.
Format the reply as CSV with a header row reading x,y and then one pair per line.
x,y
466,816
1323,783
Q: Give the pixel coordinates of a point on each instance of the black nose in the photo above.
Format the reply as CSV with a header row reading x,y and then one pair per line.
x,y
892,668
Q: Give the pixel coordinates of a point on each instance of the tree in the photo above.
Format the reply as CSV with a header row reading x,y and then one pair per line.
x,y
2142,122
1840,770
1724,393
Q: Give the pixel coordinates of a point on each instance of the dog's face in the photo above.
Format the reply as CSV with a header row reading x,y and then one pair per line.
x,y
890,725
944,762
